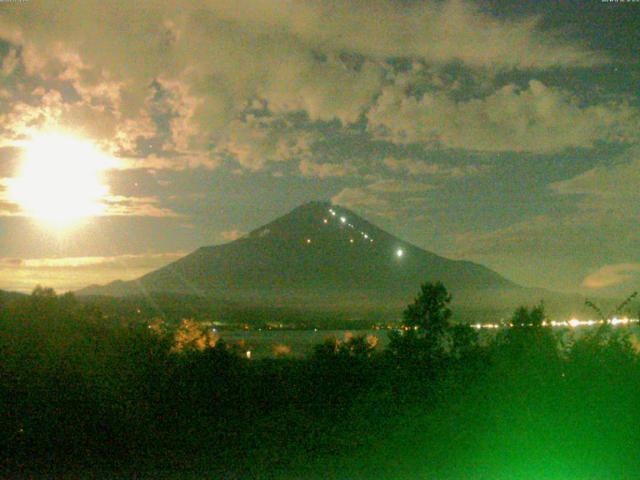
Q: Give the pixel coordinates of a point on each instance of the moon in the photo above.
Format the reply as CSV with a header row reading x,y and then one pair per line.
x,y
60,179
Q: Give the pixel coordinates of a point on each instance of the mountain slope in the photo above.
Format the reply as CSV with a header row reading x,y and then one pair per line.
x,y
317,254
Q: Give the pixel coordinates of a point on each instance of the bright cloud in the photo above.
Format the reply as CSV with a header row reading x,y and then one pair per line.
x,y
213,59
231,235
415,167
71,273
311,169
609,183
538,119
611,275
353,197
397,186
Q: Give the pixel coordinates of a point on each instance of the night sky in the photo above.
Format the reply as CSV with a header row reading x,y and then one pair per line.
x,y
504,133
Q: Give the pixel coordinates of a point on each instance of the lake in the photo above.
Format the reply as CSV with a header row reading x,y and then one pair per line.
x,y
270,343
265,343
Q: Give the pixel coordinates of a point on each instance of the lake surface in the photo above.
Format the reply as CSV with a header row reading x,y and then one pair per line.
x,y
270,343
265,343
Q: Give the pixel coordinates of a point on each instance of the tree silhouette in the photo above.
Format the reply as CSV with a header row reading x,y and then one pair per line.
x,y
426,325
529,341
464,339
524,317
430,310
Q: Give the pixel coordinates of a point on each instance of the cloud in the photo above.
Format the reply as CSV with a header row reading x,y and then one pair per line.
x,y
114,205
607,196
565,245
558,235
136,206
311,169
46,110
527,236
537,118
8,161
611,275
72,273
396,186
7,208
352,197
150,260
326,90
379,198
415,167
611,182
256,141
9,62
437,31
412,166
11,262
213,59
231,235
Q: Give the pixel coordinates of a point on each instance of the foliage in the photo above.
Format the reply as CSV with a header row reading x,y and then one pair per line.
x,y
430,310
425,327
191,335
525,318
616,311
359,346
528,341
87,395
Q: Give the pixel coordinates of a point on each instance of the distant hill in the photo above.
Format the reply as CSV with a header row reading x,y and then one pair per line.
x,y
321,256
6,295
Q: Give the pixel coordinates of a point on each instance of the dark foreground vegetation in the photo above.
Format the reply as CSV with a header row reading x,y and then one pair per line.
x,y
82,396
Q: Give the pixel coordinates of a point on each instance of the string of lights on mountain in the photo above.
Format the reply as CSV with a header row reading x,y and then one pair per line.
x,y
399,252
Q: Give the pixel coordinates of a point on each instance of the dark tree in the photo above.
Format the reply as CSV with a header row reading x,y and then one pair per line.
x,y
523,317
430,310
530,342
464,339
43,292
426,325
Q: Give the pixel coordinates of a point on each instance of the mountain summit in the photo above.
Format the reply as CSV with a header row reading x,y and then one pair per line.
x,y
317,254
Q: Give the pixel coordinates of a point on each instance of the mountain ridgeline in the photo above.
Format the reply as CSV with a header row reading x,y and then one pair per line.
x,y
316,256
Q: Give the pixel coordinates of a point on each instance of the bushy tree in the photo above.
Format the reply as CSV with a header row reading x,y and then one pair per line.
x,y
464,339
191,335
425,324
529,342
430,310
525,318
359,346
